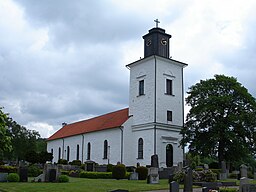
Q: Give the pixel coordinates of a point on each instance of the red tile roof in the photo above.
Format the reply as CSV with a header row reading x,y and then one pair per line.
x,y
107,121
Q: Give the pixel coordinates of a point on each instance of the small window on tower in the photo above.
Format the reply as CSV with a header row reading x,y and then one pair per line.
x,y
169,115
169,87
141,87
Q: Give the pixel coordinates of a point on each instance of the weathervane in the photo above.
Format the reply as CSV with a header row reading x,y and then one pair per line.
x,y
156,20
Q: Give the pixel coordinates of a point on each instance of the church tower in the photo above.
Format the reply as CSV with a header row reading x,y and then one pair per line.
x,y
156,101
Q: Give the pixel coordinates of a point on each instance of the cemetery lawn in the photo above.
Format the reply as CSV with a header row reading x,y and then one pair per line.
x,y
82,184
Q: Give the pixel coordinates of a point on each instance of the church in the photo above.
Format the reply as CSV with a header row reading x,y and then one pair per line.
x,y
151,124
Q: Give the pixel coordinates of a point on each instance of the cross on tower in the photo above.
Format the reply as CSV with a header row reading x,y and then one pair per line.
x,y
156,20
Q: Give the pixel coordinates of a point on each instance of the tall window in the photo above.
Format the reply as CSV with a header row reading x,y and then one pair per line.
x,y
105,153
169,87
88,151
68,152
141,87
140,148
77,152
59,153
169,115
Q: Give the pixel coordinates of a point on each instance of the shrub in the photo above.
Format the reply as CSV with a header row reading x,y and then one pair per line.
x,y
34,171
13,177
205,175
76,162
119,171
64,172
233,176
179,177
63,161
209,176
95,175
142,172
63,179
74,173
214,165
216,171
110,167
8,169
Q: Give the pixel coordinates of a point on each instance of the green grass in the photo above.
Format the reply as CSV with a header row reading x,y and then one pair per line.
x,y
82,184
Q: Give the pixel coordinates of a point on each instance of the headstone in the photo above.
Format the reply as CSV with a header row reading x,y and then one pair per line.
x,y
164,173
174,186
101,168
243,181
40,178
89,165
249,188
23,173
206,166
51,172
3,177
254,176
243,171
223,167
154,161
223,174
134,176
153,176
188,180
180,166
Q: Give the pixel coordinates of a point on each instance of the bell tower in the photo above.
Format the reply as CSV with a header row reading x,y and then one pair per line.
x,y
156,42
156,104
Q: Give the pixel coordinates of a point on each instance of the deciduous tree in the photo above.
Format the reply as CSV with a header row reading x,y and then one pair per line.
x,y
221,121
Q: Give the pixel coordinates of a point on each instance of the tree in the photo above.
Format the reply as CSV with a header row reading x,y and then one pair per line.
x,y
23,140
5,140
221,121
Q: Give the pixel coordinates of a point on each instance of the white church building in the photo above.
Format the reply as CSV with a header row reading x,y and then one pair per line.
x,y
150,125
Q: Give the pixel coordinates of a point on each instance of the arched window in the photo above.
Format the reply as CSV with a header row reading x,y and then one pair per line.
x,y
89,151
77,152
105,153
169,155
59,153
140,148
68,152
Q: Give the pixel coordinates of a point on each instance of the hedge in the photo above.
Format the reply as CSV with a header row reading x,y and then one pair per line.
x,y
96,175
8,169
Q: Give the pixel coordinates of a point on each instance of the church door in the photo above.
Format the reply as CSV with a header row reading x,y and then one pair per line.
x,y
169,155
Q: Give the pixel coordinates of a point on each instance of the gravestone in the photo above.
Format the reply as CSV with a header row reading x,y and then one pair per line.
x,y
249,188
101,168
154,161
3,177
223,173
174,186
254,176
153,176
243,171
243,181
134,176
206,166
180,166
188,180
89,165
51,172
23,173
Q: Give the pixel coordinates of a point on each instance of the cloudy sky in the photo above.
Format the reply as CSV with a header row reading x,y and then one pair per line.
x,y
63,61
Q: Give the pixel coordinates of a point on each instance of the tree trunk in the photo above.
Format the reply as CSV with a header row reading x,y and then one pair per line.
x,y
221,152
